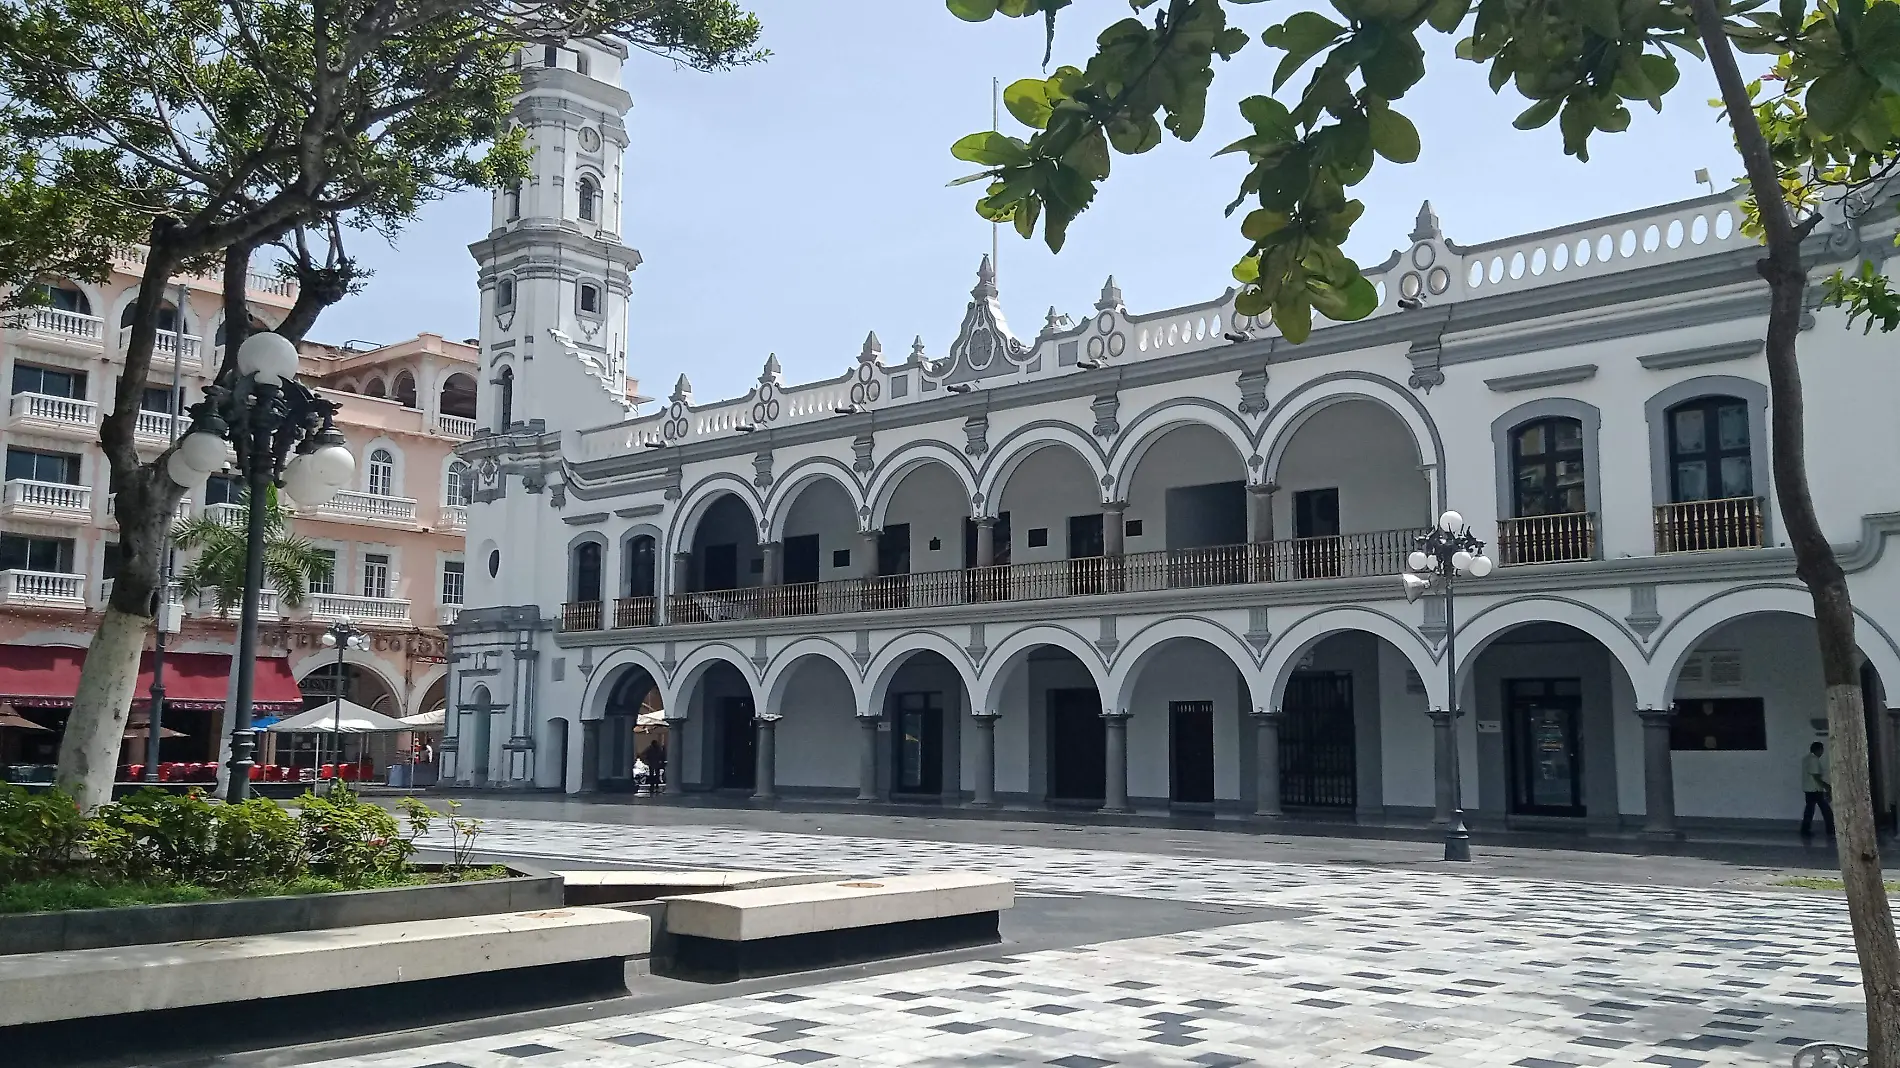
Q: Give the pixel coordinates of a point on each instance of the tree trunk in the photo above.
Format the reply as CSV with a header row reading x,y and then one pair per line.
x,y
237,311
146,500
1815,563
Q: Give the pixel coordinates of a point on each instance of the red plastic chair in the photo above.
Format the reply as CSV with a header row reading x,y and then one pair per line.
x,y
134,772
327,771
257,773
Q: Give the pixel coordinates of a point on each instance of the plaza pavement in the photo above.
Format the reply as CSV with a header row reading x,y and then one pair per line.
x,y
1160,947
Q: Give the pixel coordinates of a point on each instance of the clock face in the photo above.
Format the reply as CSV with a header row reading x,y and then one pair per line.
x,y
590,139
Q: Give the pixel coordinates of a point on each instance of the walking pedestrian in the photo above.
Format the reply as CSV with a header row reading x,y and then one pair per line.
x,y
1815,786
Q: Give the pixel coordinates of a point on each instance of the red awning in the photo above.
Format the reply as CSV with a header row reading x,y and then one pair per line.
x,y
48,675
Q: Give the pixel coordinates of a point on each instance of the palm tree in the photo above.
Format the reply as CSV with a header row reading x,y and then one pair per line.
x,y
290,561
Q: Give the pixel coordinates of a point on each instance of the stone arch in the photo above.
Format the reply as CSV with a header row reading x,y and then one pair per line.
x,y
398,477
1157,422
457,395
1293,643
419,690
801,477
1026,441
883,667
608,673
1139,649
1302,403
1504,429
574,545
785,662
122,306
1676,641
93,293
662,575
890,474
693,505
1011,651
1489,623
365,659
678,693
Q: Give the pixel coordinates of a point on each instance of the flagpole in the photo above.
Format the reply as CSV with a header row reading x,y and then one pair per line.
x,y
996,121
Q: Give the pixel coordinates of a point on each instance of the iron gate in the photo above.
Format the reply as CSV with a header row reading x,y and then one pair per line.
x,y
1317,766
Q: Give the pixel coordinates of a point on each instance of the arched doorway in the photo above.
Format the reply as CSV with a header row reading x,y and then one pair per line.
x,y
623,736
1186,701
1351,500
924,703
458,396
726,552
721,704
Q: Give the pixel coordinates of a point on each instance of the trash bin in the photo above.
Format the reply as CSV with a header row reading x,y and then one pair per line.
x,y
399,775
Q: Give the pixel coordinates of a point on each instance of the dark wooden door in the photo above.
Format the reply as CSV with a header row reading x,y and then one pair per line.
x,y
738,759
1545,744
1316,533
640,567
1191,751
801,559
1318,765
1078,746
1085,553
917,734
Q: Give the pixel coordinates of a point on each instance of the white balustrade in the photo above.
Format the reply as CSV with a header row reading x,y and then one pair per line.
x,y
623,438
157,426
455,426
47,498
59,411
174,593
1181,333
235,516
42,589
208,605
55,323
1605,246
350,504
165,347
180,514
454,517
448,614
269,283
330,607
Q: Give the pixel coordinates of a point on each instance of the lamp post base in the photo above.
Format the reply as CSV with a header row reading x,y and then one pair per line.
x,y
1457,839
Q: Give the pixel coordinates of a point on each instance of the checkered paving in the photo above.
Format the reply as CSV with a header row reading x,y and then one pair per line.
x,y
1379,967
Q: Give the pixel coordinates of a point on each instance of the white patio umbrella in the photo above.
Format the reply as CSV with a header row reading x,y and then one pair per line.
x,y
339,717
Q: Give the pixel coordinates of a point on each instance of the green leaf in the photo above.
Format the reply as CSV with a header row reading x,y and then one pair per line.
x,y
1600,17
1302,37
1445,15
991,149
1089,155
1134,134
1293,314
1394,136
1269,118
972,10
1261,223
1028,100
1397,65
1539,114
1836,98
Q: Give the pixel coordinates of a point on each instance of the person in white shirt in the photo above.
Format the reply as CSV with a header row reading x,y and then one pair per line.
x,y
1815,786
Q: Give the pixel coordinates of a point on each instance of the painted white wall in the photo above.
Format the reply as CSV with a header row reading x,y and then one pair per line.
x,y
1049,486
820,713
1012,734
1192,455
934,503
1783,668
1405,736
823,508
1363,450
1182,670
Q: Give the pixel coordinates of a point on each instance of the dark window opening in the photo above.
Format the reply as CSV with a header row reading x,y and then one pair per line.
x,y
550,56
49,381
587,559
801,556
1132,528
1038,537
167,317
590,299
1709,456
1547,468
34,466
641,571
223,489
50,555
62,297
507,382
840,558
513,199
505,293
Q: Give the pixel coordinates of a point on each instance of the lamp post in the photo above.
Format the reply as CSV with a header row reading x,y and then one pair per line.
x,y
1442,556
341,636
267,416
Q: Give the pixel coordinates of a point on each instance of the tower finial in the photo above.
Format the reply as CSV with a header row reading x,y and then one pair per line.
x,y
917,349
985,280
873,350
682,391
1111,296
772,374
1426,228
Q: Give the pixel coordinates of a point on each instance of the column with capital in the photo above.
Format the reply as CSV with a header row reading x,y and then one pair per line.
x,y
774,553
590,756
1659,774
765,775
682,581
867,757
1115,786
1260,531
675,758
983,794
1114,543
986,583
1266,768
1444,752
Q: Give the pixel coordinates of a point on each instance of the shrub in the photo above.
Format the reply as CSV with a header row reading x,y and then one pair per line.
x,y
40,834
159,835
349,841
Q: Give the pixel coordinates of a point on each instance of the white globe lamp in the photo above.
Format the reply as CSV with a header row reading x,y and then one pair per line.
x,y
1461,560
179,470
331,465
1418,561
272,358
1450,522
1481,566
304,482
329,640
203,451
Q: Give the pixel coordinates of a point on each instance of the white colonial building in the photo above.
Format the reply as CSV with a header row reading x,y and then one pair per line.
x,y
1151,559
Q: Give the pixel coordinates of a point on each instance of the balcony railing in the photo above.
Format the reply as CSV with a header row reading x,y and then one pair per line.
x,y
350,504
447,614
157,426
65,325
42,589
165,346
54,411
1343,556
580,615
1547,539
330,607
53,500
455,517
174,593
207,605
636,611
235,516
1699,526
179,515
455,426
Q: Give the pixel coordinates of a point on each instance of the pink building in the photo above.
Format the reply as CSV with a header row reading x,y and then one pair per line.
x,y
395,535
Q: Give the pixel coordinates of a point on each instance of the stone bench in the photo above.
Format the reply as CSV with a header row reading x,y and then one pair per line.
x,y
772,930
609,887
93,1001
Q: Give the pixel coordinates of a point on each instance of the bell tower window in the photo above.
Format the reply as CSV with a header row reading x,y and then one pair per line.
x,y
590,199
590,299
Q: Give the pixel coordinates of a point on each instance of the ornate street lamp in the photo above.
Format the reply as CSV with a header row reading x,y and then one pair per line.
x,y
285,435
1442,556
341,636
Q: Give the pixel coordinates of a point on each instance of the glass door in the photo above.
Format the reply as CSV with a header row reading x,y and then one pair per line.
x,y
1546,750
918,736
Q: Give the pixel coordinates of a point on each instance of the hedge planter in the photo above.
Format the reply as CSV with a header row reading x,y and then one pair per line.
x,y
526,890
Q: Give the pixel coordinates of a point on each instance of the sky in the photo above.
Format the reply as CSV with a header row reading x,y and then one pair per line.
x,y
793,206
